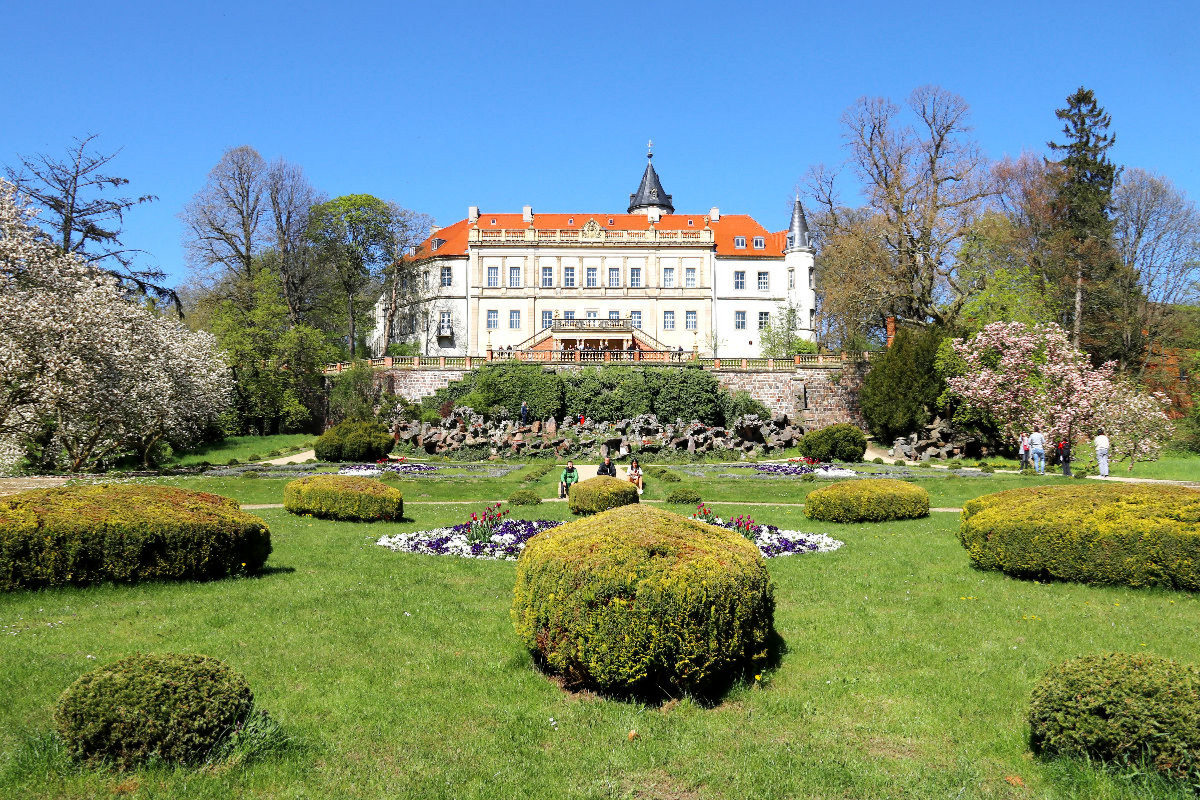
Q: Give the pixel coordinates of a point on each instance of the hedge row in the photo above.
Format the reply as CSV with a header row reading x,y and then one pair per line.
x,y
1092,533
867,500
638,599
343,497
354,441
600,494
90,534
842,442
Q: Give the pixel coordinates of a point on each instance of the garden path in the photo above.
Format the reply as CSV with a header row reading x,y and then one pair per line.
x,y
14,485
295,458
1131,479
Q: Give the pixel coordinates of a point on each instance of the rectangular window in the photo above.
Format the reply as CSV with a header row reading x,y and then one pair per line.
x,y
760,243
493,279
635,277
739,279
689,320
569,277
739,242
668,277
447,276
739,320
547,277
514,276
514,320
764,281
764,319
668,320
614,314
444,324
810,279
812,320
690,277
614,277
791,279
493,320
635,319
547,319
593,279
568,315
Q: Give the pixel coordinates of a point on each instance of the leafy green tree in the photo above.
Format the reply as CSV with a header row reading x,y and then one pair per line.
x,y
900,393
354,394
781,338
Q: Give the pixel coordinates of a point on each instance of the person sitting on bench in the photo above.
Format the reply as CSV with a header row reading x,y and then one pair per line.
x,y
569,476
634,473
607,468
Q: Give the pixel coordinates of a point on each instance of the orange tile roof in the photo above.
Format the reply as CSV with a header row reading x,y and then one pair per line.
x,y
724,230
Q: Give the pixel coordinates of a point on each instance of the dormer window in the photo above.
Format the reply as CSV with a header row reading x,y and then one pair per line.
x,y
493,220
436,243
760,243
570,220
690,222
610,220
739,242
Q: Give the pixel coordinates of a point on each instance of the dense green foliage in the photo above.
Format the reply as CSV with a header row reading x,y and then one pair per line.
x,y
125,533
344,497
1092,533
867,500
355,441
641,600
900,393
524,497
841,442
173,707
1128,708
661,474
684,496
600,494
353,394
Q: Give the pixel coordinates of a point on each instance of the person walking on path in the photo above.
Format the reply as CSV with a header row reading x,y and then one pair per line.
x,y
1037,449
567,479
1102,448
1064,456
1023,450
607,468
524,413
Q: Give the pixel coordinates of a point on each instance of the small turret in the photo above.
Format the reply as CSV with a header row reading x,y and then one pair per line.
x,y
650,196
798,238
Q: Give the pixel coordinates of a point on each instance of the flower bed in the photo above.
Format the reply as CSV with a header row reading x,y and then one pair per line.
x,y
794,469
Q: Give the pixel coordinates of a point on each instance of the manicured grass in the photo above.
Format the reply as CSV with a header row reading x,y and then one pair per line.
x,y
907,673
242,447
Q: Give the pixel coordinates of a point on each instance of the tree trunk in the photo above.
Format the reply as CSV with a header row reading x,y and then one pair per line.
x,y
1078,300
350,310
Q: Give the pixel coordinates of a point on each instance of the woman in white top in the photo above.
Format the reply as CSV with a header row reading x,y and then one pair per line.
x,y
634,473
1102,448
1037,448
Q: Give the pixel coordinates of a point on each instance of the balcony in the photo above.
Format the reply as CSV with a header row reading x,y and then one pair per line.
x,y
592,324
445,330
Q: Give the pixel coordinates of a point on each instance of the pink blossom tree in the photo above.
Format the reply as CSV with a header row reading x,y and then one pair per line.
x,y
1136,423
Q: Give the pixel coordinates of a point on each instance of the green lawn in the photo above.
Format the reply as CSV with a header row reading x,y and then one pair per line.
x,y
907,673
242,447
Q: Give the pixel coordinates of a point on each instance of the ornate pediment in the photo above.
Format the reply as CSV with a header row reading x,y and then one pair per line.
x,y
592,230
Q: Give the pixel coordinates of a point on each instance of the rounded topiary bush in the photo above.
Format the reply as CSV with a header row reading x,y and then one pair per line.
x,y
524,497
1123,707
174,707
1108,533
867,500
354,441
600,494
683,496
343,497
638,599
841,442
78,535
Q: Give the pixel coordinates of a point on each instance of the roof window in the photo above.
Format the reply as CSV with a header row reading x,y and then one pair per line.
x,y
570,220
437,243
610,220
493,220
739,242
760,243
690,222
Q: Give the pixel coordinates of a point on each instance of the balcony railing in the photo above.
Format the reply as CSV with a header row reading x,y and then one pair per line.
x,y
578,236
661,357
592,324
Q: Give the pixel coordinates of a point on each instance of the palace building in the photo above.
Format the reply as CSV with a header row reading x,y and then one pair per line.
x,y
647,280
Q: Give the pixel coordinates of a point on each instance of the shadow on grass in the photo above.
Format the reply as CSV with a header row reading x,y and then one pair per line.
x,y
267,572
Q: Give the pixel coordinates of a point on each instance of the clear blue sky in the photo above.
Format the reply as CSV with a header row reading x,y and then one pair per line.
x,y
440,106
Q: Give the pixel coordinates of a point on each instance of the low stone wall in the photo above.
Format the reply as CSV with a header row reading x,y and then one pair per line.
x,y
814,396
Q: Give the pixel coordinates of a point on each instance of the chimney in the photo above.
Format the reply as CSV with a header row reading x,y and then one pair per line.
x,y
527,213
472,214
891,330
434,229
714,214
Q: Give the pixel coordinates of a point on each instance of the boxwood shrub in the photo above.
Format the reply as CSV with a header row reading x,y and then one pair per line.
x,y
1120,707
173,707
638,599
683,495
354,441
1104,533
343,497
867,500
125,533
841,442
524,497
600,494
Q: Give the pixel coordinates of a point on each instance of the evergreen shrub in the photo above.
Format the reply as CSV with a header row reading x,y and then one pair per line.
x,y
1103,533
638,599
524,497
344,497
900,393
1128,708
842,442
867,500
600,494
684,496
661,474
79,535
174,707
354,441
538,471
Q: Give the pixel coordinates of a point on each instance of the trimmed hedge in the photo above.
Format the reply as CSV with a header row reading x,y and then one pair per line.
x,y
638,599
344,497
174,707
524,497
600,494
684,495
79,535
1122,707
841,442
354,441
1104,533
867,500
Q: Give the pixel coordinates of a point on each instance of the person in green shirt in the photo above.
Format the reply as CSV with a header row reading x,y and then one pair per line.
x,y
569,476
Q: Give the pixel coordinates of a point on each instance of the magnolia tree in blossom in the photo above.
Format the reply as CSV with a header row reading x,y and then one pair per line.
x,y
103,375
1136,423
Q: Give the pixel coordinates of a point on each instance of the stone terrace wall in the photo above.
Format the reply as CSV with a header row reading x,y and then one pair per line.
x,y
815,396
